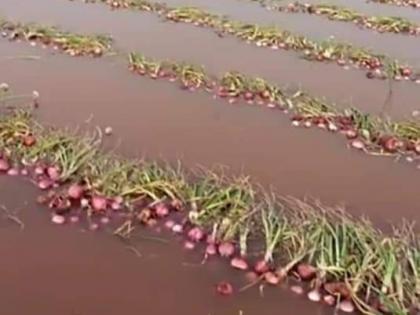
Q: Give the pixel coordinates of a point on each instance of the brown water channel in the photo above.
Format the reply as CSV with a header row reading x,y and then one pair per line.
x,y
157,119
50,270
146,33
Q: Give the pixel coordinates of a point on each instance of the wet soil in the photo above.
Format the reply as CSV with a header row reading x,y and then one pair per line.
x,y
146,33
65,270
158,120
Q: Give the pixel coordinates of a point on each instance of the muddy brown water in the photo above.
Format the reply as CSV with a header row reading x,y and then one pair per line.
x,y
146,33
50,270
66,270
158,120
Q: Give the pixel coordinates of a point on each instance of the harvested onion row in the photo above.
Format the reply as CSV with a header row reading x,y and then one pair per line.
x,y
415,4
401,3
382,24
348,262
72,44
365,132
377,66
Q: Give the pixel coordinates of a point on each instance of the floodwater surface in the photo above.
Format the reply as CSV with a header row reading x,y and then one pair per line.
x,y
146,33
66,270
158,120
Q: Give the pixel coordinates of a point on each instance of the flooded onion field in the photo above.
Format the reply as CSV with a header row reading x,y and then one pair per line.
x,y
210,157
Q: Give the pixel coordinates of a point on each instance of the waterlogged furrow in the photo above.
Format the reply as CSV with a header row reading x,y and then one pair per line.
x,y
381,24
368,133
339,255
378,66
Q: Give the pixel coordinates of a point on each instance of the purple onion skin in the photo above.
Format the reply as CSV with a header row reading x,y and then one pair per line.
x,y
196,234
189,245
161,210
226,249
211,250
239,263
4,165
99,203
261,266
13,172
45,184
75,191
53,173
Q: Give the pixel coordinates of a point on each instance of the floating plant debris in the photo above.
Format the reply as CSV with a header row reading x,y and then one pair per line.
x,y
382,24
338,255
72,44
377,66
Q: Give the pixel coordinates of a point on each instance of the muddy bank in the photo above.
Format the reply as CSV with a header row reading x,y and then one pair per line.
x,y
287,70
93,272
158,120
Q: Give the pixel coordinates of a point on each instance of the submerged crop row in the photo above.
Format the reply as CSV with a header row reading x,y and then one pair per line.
x,y
378,66
401,3
72,44
345,262
365,132
382,24
405,3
